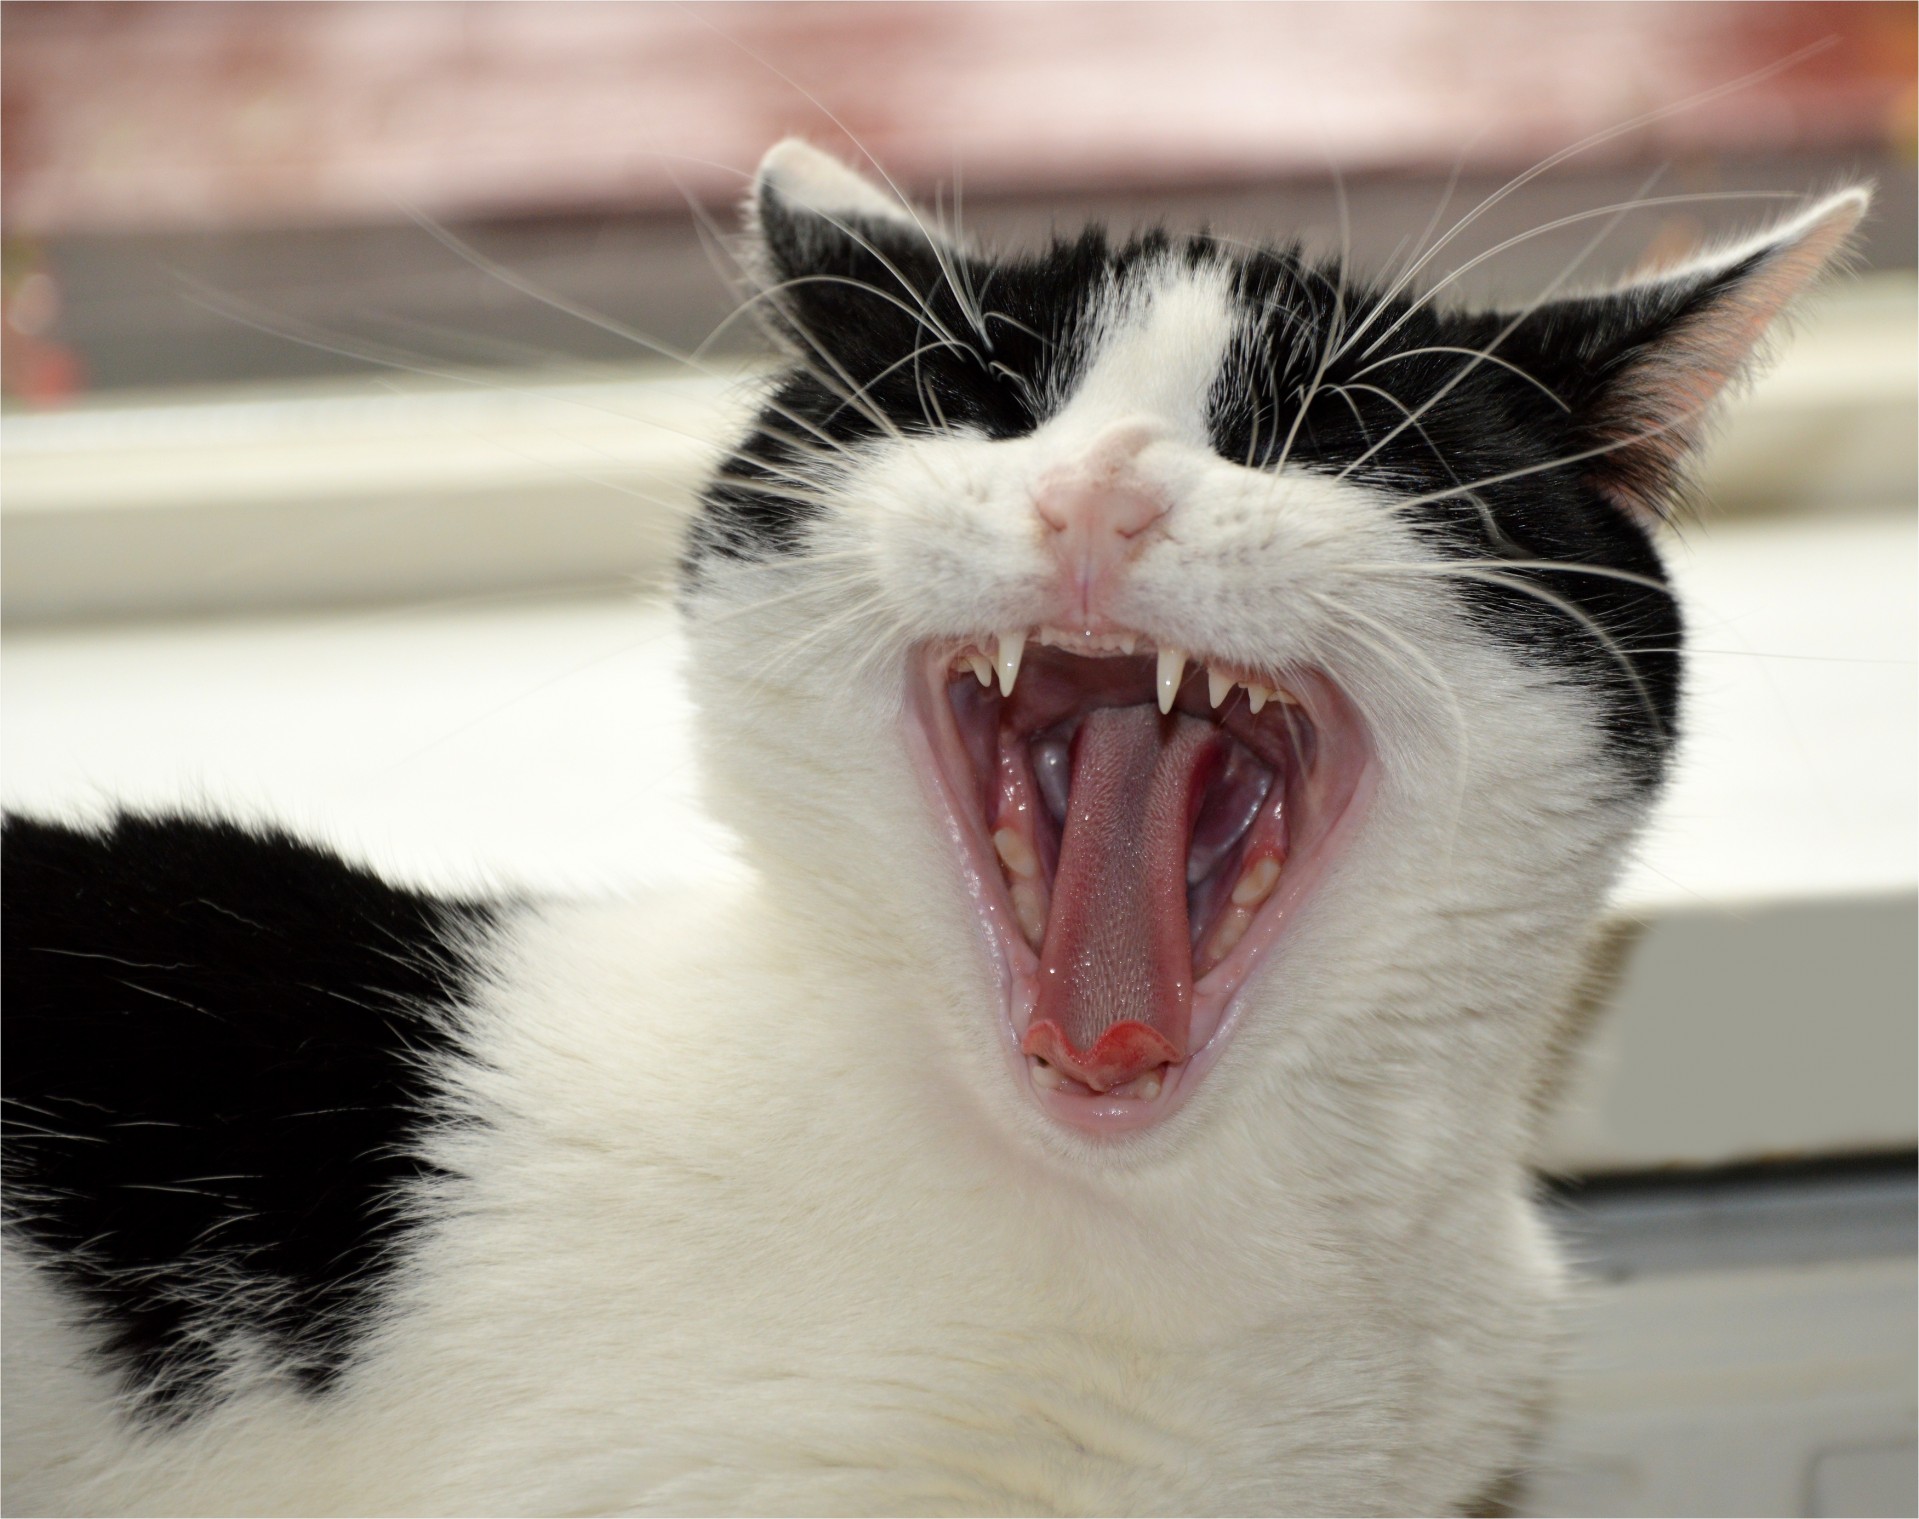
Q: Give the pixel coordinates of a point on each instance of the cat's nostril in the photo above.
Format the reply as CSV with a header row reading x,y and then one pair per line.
x,y
1094,510
1094,528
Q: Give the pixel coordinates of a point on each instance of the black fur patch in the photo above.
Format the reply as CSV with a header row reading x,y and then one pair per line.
x,y
1394,396
219,1049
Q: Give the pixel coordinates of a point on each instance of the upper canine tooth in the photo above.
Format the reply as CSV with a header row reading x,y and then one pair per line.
x,y
1172,665
1011,646
1218,686
1257,696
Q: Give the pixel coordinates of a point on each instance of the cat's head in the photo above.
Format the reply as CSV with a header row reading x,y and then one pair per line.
x,y
1190,660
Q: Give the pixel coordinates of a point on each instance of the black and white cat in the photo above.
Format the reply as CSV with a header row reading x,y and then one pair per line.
x,y
1183,710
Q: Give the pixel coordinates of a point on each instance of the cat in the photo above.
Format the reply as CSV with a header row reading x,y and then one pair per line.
x,y
1182,707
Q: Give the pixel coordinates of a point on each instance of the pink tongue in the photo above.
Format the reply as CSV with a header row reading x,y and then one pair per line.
x,y
1116,971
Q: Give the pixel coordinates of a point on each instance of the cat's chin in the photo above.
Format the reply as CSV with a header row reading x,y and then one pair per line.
x,y
1137,835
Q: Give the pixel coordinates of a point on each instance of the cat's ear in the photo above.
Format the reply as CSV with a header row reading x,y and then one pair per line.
x,y
1640,367
840,261
808,212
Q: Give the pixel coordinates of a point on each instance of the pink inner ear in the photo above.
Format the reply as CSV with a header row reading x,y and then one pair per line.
x,y
1659,406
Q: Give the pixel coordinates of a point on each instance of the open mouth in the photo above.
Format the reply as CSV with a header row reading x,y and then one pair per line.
x,y
1137,830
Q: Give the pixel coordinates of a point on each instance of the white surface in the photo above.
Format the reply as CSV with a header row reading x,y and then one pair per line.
x,y
1802,728
1757,1391
544,746
1747,1032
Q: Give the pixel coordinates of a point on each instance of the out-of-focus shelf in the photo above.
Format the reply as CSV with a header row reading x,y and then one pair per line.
x,y
336,495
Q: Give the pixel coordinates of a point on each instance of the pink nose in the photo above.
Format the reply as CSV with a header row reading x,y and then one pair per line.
x,y
1098,517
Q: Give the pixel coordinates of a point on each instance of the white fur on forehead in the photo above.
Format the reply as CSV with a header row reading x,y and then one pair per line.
x,y
1160,348
806,179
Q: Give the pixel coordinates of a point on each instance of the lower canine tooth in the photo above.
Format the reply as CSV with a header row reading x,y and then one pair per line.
x,y
1015,853
1257,884
1147,1086
1043,1074
1011,646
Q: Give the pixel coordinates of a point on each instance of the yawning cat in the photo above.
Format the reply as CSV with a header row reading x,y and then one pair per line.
x,y
1182,707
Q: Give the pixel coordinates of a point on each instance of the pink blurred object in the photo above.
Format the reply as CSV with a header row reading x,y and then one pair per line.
x,y
35,367
175,116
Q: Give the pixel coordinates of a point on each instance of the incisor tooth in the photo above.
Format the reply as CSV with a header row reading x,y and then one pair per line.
x,y
982,666
1011,646
1015,853
1257,884
1218,686
1172,665
1257,696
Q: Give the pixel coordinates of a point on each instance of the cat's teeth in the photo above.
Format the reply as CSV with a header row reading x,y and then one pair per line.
x,y
1012,645
1044,1075
982,666
1218,686
1147,1086
1172,666
1232,928
1257,696
1256,885
1030,911
1015,853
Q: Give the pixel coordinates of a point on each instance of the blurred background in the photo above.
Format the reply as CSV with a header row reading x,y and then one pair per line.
x,y
360,360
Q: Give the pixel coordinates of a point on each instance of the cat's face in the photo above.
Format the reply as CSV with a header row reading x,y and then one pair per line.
x,y
1206,658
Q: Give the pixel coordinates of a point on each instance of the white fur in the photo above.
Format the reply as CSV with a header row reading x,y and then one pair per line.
x,y
756,1221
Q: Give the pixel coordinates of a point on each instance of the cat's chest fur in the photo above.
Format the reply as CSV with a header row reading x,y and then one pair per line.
x,y
668,1274
1181,711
